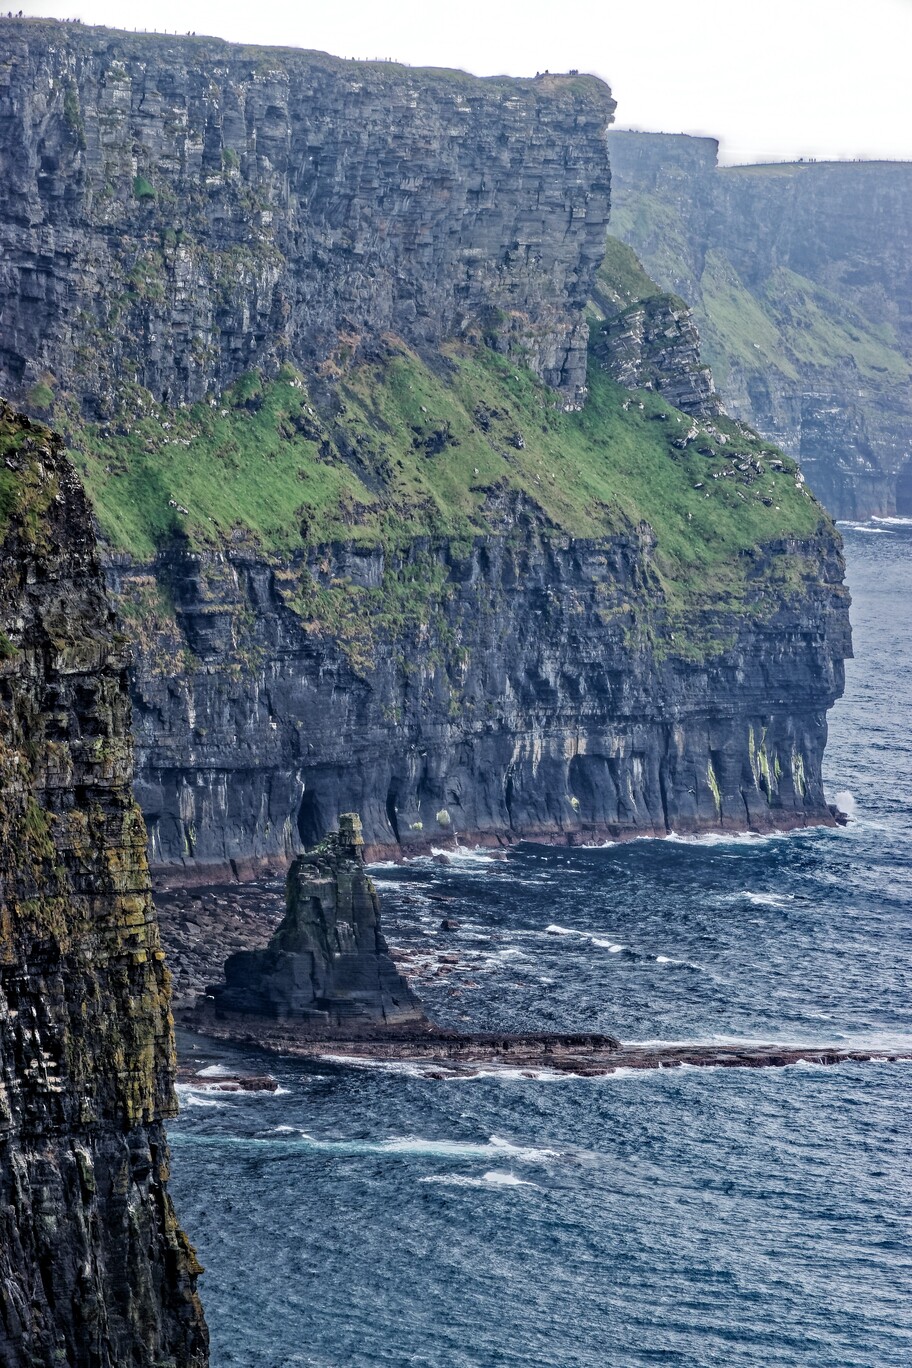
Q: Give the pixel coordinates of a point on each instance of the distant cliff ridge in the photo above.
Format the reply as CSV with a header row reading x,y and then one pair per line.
x,y
800,275
178,211
94,1270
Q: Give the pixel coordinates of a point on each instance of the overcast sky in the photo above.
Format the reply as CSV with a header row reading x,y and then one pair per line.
x,y
771,78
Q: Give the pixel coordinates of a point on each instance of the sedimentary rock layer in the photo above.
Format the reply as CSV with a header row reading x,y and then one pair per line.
x,y
327,964
542,698
388,569
800,277
94,1269
176,211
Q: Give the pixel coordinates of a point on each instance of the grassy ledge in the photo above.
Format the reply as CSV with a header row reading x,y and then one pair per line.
x,y
408,451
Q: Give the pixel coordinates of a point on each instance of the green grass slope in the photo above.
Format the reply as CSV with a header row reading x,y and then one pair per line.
x,y
413,451
786,326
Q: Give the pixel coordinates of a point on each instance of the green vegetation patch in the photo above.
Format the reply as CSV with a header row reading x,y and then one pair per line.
x,y
26,489
414,452
820,328
622,280
738,325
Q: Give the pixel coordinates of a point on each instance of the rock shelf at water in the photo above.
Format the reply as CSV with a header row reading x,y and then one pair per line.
x,y
326,984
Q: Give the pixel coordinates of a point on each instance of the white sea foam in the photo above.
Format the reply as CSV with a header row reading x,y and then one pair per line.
x,y
768,899
845,801
467,855
613,946
865,527
720,838
513,1075
416,1145
894,522
215,1071
197,1097
406,1068
493,1178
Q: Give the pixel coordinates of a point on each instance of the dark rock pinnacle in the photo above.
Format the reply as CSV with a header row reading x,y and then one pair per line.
x,y
327,963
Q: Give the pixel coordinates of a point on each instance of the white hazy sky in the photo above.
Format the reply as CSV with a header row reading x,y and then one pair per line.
x,y
771,78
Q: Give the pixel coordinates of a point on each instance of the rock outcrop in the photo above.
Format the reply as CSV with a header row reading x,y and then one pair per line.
x,y
327,966
800,278
648,339
94,1270
177,211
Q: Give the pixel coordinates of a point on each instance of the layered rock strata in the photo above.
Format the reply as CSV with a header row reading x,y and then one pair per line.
x,y
388,569
94,1270
654,344
542,697
327,964
177,211
799,275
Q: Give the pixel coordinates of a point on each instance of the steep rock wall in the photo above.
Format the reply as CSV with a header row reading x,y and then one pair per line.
x,y
175,212
389,569
541,696
801,281
94,1270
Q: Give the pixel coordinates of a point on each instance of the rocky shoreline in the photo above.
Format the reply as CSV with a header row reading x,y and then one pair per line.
x,y
324,983
450,1054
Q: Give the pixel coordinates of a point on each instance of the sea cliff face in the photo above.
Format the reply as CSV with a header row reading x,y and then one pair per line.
x,y
317,333
529,701
94,1269
800,279
179,211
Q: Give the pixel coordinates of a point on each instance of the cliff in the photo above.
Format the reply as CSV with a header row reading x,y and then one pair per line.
x,y
94,1270
373,548
647,338
176,212
800,280
644,636
327,966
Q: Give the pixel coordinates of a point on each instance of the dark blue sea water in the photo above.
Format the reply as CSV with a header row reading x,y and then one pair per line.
x,y
371,1216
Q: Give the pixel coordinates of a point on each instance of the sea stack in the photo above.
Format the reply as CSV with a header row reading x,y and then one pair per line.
x,y
327,964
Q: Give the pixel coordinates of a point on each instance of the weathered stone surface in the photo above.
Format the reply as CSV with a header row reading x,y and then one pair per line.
x,y
176,211
654,344
180,211
801,281
94,1270
530,705
327,964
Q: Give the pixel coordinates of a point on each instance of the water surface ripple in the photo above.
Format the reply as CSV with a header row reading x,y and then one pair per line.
x,y
370,1216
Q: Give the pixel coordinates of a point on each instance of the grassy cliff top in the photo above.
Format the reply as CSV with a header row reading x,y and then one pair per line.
x,y
410,451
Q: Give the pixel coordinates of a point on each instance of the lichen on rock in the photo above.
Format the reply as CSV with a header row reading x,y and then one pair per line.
x,y
94,1270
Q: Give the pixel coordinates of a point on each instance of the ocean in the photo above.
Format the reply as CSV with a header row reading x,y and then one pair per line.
x,y
372,1215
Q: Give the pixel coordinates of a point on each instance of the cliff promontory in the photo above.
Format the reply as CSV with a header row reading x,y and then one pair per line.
x,y
387,532
800,280
94,1269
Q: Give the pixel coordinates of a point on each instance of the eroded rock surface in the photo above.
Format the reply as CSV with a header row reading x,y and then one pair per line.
x,y
94,1270
176,211
327,964
531,704
800,277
